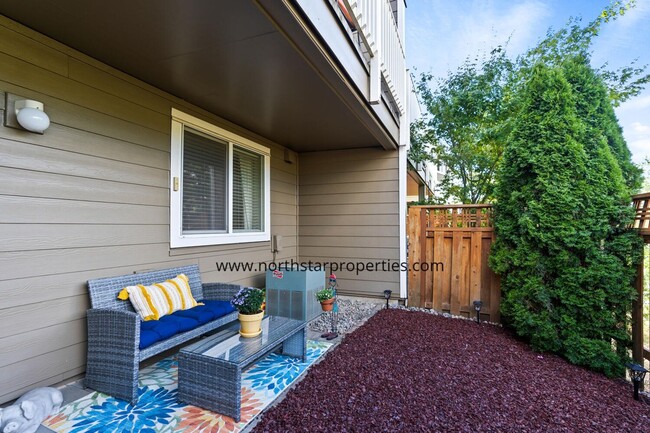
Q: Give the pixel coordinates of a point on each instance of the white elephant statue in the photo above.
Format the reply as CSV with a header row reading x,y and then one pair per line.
x,y
27,413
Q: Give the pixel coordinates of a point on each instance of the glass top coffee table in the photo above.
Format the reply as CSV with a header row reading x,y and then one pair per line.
x,y
209,371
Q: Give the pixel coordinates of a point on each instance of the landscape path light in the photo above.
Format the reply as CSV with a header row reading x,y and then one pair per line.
x,y
387,294
477,306
637,373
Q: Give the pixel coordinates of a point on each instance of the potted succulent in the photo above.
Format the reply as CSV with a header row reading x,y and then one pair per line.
x,y
248,301
326,298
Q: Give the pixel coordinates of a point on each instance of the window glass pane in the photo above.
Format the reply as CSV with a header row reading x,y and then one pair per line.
x,y
205,184
248,194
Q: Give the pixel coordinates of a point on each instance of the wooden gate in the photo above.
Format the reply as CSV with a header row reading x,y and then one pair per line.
x,y
448,260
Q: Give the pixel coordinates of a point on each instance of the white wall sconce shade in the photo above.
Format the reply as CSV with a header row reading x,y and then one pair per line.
x,y
31,116
21,113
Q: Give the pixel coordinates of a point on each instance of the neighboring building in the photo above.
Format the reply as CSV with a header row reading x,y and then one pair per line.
x,y
191,132
423,178
420,182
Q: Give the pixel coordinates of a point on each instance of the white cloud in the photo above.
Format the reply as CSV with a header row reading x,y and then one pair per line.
x,y
446,33
640,127
636,133
641,102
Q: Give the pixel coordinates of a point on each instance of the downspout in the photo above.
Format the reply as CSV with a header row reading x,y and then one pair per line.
x,y
404,144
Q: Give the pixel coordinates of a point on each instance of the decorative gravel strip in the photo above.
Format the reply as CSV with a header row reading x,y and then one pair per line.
x,y
405,371
352,313
436,313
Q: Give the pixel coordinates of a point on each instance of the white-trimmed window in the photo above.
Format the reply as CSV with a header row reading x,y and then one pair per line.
x,y
220,185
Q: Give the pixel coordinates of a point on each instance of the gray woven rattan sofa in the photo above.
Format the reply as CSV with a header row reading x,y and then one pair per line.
x,y
114,344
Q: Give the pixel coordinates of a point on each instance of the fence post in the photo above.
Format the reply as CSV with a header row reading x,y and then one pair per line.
x,y
414,232
637,318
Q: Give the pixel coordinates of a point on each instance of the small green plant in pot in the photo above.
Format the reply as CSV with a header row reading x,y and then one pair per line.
x,y
326,299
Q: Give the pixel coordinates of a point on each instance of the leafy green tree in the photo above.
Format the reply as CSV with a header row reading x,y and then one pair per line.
x,y
468,120
562,247
574,42
420,149
471,111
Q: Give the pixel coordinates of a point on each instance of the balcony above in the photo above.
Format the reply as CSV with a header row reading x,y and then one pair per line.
x,y
257,63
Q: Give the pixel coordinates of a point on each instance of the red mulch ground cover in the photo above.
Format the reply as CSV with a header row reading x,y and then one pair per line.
x,y
415,372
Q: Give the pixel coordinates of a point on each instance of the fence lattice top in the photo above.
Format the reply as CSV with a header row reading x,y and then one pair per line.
x,y
641,203
458,216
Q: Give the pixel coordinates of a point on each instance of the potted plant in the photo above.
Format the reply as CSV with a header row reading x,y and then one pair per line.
x,y
248,301
326,298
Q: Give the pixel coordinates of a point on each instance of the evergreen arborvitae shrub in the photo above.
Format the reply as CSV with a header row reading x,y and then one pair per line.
x,y
565,258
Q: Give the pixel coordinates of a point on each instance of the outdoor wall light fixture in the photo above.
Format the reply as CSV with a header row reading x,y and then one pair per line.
x,y
477,306
387,294
26,114
637,373
31,116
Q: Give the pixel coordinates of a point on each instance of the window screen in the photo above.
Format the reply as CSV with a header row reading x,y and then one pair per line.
x,y
205,184
247,191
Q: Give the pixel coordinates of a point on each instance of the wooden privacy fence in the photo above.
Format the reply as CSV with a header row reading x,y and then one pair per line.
x,y
448,252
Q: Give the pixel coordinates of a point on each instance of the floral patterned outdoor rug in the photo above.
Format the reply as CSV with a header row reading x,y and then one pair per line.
x,y
158,411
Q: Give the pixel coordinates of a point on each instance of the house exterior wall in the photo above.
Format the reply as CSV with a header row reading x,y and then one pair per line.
x,y
349,212
90,198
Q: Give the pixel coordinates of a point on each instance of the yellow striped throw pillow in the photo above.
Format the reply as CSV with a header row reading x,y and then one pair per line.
x,y
157,300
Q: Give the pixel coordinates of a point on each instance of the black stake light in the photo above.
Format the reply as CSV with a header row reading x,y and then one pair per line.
x,y
477,307
637,373
387,294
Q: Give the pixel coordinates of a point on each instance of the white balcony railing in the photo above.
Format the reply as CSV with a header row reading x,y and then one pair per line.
x,y
378,30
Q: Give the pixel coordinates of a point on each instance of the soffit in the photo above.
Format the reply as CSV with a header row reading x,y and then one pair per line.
x,y
226,57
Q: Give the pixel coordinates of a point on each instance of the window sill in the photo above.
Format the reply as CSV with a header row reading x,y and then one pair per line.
x,y
222,239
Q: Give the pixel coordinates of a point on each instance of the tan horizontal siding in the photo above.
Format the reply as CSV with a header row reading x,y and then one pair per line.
x,y
355,286
361,252
348,213
29,237
343,188
90,198
349,220
37,158
65,211
363,231
48,339
350,198
368,241
28,317
346,165
349,177
61,137
48,185
347,209
51,365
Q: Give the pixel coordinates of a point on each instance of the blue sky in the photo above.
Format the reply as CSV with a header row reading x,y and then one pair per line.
x,y
440,34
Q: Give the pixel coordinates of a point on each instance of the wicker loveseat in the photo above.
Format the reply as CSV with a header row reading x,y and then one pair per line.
x,y
115,346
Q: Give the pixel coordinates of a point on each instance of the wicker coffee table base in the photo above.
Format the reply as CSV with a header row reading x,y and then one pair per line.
x,y
215,384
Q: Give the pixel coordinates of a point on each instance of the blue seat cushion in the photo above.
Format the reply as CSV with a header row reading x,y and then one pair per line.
x,y
200,314
152,331
148,325
219,308
184,323
147,338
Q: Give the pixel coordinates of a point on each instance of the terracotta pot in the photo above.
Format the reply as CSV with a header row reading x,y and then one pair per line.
x,y
327,305
250,324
